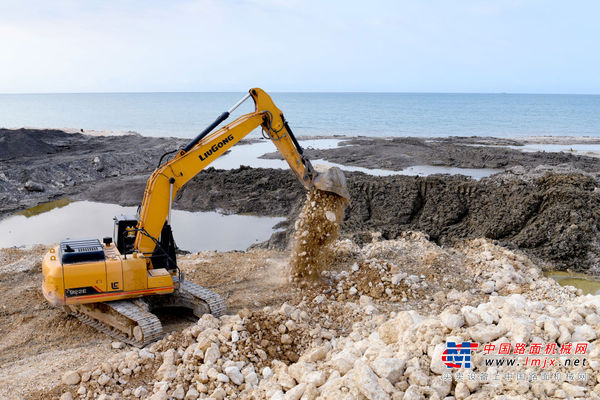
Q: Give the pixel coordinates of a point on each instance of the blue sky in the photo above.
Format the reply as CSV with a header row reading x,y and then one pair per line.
x,y
300,45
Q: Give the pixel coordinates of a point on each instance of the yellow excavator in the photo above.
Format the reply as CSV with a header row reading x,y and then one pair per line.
x,y
114,285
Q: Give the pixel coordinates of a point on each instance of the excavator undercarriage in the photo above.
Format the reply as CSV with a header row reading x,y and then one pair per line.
x,y
133,321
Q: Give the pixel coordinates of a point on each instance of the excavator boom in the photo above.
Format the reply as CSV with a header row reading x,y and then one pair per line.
x,y
169,177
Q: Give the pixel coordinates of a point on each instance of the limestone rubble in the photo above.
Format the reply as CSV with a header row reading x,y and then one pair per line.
x,y
376,330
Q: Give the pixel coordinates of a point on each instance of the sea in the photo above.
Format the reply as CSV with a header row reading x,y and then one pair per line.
x,y
314,114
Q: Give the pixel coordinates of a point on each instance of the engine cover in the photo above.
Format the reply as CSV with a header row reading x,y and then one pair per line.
x,y
82,250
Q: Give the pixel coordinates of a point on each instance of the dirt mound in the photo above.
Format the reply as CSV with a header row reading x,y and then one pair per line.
x,y
243,190
24,143
553,216
69,164
548,211
317,226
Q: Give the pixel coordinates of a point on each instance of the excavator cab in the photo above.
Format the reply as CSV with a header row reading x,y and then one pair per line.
x,y
124,233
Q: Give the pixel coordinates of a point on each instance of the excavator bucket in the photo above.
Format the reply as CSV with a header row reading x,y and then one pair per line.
x,y
331,179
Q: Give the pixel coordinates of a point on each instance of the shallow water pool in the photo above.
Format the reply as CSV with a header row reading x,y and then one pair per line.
x,y
250,154
416,170
50,223
588,284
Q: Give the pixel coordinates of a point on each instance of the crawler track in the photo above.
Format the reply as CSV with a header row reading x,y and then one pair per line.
x,y
215,302
145,327
131,321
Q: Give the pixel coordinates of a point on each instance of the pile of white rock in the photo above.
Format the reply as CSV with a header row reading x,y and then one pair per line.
x,y
224,357
402,358
388,353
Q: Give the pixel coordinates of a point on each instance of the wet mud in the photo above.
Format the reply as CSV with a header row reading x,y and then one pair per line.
x,y
545,203
399,153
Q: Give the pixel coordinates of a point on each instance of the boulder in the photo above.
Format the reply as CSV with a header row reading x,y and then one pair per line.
x,y
343,361
389,331
452,321
389,368
140,392
436,365
461,391
234,375
583,333
212,354
71,378
32,186
366,382
167,371
483,333
66,396
103,379
296,392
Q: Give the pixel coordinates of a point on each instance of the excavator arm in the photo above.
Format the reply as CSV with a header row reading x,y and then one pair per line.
x,y
169,177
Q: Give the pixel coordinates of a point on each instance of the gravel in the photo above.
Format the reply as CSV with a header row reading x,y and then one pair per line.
x,y
369,345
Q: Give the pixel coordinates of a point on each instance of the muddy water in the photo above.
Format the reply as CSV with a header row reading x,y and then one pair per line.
x,y
588,284
193,231
44,207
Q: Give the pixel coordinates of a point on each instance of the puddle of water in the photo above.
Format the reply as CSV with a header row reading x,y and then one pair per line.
x,y
249,154
587,284
370,171
44,207
424,170
193,231
416,170
581,149
557,148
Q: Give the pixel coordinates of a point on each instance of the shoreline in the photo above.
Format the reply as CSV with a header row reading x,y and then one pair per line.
x,y
514,140
76,159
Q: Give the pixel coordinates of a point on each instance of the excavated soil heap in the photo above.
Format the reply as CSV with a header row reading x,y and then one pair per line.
x,y
317,226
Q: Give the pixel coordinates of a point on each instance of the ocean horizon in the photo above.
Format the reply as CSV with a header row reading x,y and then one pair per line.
x,y
184,114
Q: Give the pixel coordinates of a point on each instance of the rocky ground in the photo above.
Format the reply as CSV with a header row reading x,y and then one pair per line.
x,y
420,261
375,328
39,341
544,203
